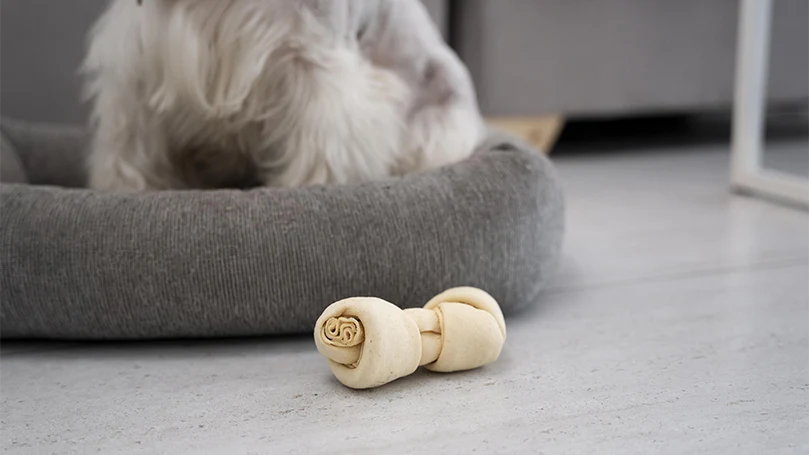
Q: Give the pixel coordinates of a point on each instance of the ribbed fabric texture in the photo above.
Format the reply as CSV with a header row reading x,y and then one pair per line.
x,y
83,265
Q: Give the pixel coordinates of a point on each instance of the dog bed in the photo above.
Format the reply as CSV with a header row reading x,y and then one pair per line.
x,y
83,265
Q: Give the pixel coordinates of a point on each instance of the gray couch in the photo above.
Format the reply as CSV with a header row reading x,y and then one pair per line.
x,y
618,57
528,57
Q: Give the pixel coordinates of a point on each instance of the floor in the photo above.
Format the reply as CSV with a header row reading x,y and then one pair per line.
x,y
678,323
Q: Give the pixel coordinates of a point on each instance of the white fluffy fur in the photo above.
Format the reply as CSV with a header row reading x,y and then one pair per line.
x,y
200,93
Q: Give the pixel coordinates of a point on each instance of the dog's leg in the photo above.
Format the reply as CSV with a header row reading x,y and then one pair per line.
x,y
130,148
128,153
444,123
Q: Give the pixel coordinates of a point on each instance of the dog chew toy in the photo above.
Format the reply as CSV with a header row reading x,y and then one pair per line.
x,y
370,342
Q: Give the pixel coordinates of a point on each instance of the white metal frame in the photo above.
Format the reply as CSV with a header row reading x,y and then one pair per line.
x,y
752,63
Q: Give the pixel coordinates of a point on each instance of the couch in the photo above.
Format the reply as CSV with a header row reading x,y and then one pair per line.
x,y
620,57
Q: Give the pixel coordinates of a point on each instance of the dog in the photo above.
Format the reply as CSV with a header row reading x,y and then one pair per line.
x,y
208,94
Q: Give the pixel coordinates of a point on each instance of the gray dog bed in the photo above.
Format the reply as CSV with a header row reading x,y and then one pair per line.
x,y
78,264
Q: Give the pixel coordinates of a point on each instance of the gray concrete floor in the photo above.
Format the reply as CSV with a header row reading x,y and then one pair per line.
x,y
678,323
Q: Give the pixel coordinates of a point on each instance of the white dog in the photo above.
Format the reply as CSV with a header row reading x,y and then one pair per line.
x,y
241,93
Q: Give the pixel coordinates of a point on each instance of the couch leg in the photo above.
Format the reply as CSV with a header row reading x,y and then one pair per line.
x,y
540,132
